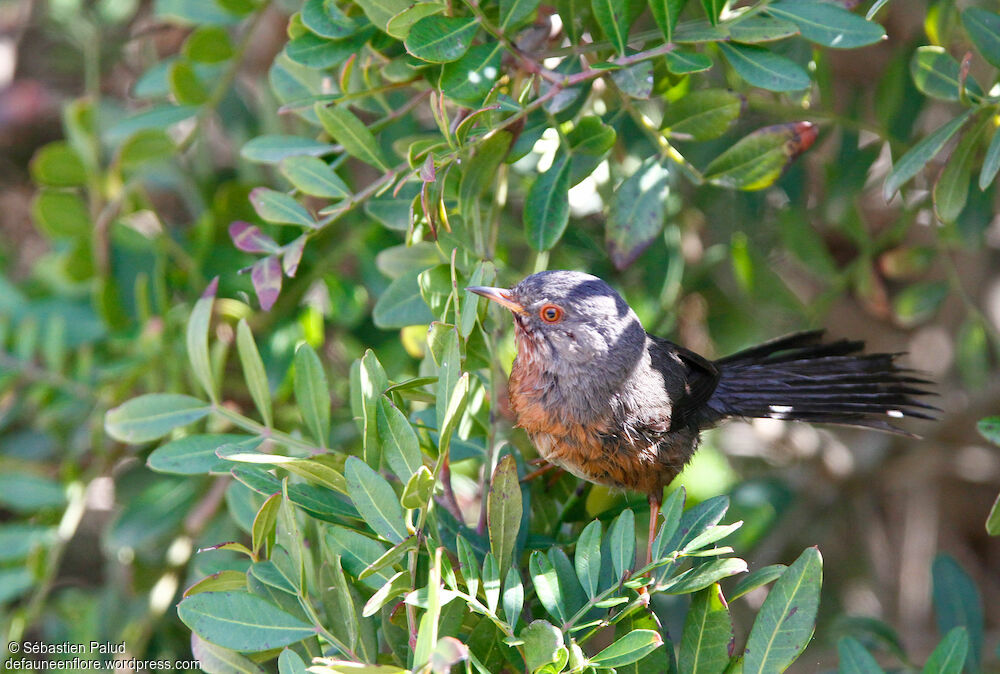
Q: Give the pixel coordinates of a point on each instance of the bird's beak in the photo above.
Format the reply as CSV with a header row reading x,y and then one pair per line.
x,y
499,295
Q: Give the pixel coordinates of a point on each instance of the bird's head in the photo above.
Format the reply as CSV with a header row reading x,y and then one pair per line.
x,y
572,323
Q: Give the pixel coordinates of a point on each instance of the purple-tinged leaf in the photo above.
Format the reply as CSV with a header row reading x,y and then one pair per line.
x,y
250,239
211,288
293,254
266,276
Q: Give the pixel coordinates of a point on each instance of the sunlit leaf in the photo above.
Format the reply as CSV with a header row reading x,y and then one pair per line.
x,y
765,69
546,207
785,623
241,621
636,212
828,24
758,160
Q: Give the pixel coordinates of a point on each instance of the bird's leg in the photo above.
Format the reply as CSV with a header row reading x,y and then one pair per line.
x,y
655,500
541,471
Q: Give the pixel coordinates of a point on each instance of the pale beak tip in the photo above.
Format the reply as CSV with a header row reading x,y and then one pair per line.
x,y
499,295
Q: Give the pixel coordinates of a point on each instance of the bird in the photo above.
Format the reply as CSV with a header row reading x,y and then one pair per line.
x,y
614,405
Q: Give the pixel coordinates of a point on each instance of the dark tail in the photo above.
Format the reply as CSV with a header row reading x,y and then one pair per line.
x,y
797,377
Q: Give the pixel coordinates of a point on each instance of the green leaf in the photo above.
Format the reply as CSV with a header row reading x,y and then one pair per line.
x,y
320,53
208,44
671,514
542,643
957,604
513,12
713,8
547,585
394,209
145,146
289,662
367,387
684,62
503,511
241,621
312,393
400,445
765,69
828,24
546,207
621,541
314,176
950,655
756,578
263,530
589,143
279,208
920,154
665,13
513,596
612,17
253,371
694,32
212,658
761,28
375,500
784,625
151,416
469,79
449,362
708,633
192,455
271,149
635,81
324,18
25,492
983,28
185,85
936,74
587,559
854,659
321,502
197,340
951,191
703,575
989,428
60,214
468,565
220,581
399,26
356,138
379,12
757,160
993,519
357,552
441,39
58,165
491,581
917,302
632,647
401,304
991,163
702,115
636,212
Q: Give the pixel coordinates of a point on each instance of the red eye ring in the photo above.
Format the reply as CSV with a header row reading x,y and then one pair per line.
x,y
550,313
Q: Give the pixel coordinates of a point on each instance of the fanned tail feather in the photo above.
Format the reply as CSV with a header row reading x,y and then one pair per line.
x,y
799,378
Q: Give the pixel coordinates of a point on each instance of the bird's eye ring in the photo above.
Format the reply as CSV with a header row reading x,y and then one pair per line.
x,y
550,313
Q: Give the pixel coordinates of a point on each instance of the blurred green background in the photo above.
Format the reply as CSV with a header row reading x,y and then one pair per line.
x,y
121,172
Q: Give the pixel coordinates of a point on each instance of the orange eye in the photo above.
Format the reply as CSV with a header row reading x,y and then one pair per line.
x,y
550,313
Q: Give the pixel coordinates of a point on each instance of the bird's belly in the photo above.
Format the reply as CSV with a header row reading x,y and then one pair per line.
x,y
603,462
